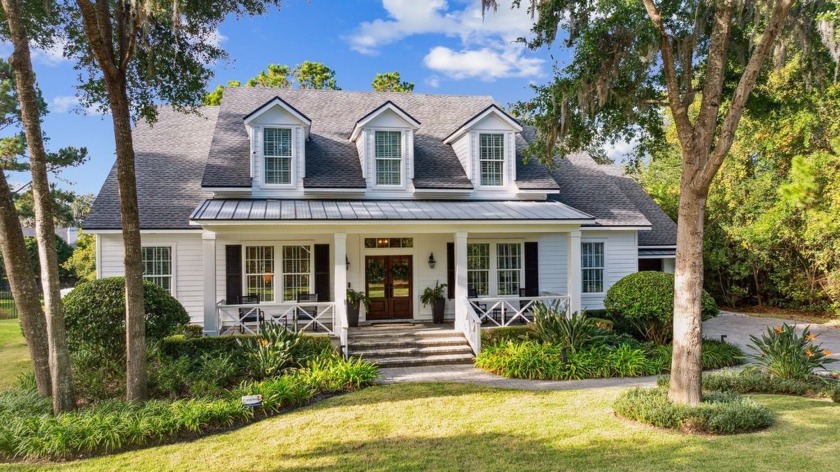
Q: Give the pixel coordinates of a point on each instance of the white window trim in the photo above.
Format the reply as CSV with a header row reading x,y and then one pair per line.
x,y
493,282
404,141
279,281
604,268
173,258
260,153
475,147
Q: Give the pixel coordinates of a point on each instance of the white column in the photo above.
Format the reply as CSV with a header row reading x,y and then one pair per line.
x,y
460,279
340,274
208,241
574,276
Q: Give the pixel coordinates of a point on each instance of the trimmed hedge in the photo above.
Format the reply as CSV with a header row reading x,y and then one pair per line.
x,y
95,315
643,303
719,413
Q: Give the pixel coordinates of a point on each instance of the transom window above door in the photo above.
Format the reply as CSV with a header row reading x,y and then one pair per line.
x,y
371,243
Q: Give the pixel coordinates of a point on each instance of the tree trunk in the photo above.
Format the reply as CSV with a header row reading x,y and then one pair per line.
x,y
686,364
59,356
135,312
24,288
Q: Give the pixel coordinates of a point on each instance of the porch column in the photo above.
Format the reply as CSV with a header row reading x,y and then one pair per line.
x,y
340,271
460,279
574,274
208,242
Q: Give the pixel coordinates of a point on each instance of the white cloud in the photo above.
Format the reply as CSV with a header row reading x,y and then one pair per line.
x,y
486,41
71,103
50,56
486,63
64,103
433,81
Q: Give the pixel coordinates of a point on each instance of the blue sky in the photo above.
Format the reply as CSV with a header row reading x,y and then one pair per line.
x,y
443,47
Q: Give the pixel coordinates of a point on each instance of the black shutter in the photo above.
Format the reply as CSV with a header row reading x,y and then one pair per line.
x,y
322,272
532,270
233,273
450,270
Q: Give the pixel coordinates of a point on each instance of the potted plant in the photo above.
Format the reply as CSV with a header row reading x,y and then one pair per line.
x,y
434,296
354,302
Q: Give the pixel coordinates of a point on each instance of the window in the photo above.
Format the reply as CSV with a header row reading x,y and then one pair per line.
x,y
592,264
371,243
508,267
259,272
491,159
478,268
297,268
388,152
157,266
277,152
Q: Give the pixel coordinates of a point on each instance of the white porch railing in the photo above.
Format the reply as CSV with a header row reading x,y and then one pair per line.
x,y
472,326
504,311
303,316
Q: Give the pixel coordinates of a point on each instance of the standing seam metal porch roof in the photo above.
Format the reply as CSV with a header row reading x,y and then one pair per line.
x,y
383,210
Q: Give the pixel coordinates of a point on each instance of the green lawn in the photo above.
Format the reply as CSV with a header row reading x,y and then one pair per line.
x,y
464,427
13,352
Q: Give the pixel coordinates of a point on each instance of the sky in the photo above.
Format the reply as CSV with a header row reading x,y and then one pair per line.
x,y
442,46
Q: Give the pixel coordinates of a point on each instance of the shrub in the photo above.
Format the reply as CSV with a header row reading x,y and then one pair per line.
x,y
530,359
719,413
272,352
28,429
760,382
644,303
95,315
551,325
785,353
491,336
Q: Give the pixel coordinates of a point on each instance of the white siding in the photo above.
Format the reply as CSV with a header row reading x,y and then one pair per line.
x,y
188,277
620,260
553,264
461,146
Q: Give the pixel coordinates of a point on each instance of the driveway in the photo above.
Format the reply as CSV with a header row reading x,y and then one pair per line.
x,y
738,328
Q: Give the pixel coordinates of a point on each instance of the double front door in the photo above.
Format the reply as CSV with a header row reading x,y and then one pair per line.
x,y
388,284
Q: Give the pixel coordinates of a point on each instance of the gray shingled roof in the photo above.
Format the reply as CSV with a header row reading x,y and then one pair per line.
x,y
663,229
170,161
332,161
221,209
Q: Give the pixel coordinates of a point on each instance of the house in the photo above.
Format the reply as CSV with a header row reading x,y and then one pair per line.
x,y
277,193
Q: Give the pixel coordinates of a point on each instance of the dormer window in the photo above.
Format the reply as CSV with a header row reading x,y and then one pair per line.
x,y
277,155
389,157
491,158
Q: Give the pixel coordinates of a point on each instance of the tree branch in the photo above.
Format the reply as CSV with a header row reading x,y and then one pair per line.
x,y
739,99
98,44
678,110
706,123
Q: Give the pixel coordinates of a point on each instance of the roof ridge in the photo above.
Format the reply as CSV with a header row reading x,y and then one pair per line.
x,y
363,92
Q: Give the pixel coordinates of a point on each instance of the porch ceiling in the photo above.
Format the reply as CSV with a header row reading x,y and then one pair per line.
x,y
380,210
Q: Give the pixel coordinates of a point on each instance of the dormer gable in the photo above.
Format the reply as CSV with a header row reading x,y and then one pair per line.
x,y
486,147
278,133
384,139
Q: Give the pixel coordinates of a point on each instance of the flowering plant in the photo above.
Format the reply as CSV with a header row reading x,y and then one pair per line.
x,y
786,353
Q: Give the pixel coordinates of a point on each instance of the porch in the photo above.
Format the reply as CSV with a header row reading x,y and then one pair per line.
x,y
400,343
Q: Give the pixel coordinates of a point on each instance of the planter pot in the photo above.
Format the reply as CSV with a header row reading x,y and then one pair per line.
x,y
438,308
352,316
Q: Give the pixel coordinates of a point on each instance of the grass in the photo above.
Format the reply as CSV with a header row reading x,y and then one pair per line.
x,y
468,427
7,306
15,355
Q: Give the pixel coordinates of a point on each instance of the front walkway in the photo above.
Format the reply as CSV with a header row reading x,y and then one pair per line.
x,y
736,327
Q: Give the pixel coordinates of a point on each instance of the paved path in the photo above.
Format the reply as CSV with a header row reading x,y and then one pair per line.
x,y
736,327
